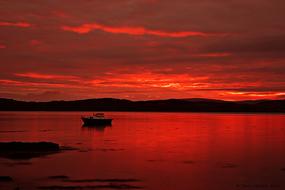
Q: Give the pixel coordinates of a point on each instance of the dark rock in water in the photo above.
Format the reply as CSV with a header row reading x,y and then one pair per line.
x,y
58,177
27,150
117,180
107,186
5,179
28,146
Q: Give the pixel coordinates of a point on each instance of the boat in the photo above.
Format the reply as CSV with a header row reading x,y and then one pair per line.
x,y
97,119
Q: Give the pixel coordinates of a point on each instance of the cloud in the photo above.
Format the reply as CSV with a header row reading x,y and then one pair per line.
x,y
35,42
46,76
8,82
16,24
257,95
86,28
267,45
163,49
220,54
2,46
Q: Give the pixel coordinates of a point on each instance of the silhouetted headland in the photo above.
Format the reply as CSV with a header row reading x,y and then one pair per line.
x,y
170,105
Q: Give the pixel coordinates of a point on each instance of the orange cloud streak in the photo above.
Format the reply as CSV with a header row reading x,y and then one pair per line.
x,y
86,28
253,95
16,24
31,84
46,76
223,54
162,85
151,80
2,46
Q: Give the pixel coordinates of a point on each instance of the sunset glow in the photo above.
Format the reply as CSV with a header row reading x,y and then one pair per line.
x,y
142,50
86,28
16,24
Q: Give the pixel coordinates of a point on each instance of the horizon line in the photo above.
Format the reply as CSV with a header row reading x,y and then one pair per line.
x,y
61,100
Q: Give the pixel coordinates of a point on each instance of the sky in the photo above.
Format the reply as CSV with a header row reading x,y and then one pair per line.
x,y
142,49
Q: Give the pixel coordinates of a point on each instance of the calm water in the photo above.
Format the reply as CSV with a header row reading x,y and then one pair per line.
x,y
162,150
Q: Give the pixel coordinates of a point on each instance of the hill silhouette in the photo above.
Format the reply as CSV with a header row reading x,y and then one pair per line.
x,y
170,105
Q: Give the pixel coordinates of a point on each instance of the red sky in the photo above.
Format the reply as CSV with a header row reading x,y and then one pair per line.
x,y
142,49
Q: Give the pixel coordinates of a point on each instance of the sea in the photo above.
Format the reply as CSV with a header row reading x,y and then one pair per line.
x,y
147,150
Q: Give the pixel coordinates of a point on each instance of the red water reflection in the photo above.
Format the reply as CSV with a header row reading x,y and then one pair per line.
x,y
163,150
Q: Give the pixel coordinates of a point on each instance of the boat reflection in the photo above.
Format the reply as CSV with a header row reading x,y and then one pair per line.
x,y
99,128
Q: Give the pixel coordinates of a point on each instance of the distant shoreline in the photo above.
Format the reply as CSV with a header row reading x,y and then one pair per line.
x,y
193,112
170,105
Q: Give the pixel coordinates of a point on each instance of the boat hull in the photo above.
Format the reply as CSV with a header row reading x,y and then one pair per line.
x,y
96,122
